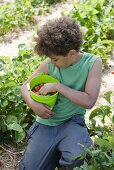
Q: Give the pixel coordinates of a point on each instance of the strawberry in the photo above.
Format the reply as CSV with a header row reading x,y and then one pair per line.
x,y
41,85
37,88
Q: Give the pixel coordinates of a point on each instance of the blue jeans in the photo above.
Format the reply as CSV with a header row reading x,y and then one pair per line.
x,y
50,146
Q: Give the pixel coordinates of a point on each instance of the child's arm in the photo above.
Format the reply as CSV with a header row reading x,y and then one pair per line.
x,y
85,99
40,109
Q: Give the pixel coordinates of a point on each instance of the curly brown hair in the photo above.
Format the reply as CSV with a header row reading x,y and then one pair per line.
x,y
58,37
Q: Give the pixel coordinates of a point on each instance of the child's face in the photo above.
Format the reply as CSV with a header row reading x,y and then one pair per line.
x,y
62,61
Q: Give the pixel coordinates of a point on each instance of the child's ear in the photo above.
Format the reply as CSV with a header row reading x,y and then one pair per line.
x,y
72,52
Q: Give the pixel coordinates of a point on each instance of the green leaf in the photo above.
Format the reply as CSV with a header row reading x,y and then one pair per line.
x,y
4,103
24,125
11,119
19,136
101,142
107,42
95,112
2,124
112,119
11,83
107,96
15,126
108,157
113,156
85,166
12,98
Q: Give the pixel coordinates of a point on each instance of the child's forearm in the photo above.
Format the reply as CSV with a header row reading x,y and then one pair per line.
x,y
26,95
80,98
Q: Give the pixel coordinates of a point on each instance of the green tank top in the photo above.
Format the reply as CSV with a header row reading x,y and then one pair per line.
x,y
75,77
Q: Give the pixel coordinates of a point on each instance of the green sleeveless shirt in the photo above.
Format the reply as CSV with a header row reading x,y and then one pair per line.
x,y
75,77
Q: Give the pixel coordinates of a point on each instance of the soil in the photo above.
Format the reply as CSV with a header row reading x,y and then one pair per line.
x,y
11,155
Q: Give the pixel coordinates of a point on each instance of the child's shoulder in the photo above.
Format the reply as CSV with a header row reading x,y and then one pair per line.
x,y
90,59
90,55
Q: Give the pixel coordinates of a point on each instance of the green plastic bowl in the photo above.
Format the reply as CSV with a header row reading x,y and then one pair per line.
x,y
49,100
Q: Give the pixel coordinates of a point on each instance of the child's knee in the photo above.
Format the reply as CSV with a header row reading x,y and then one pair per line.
x,y
72,161
78,162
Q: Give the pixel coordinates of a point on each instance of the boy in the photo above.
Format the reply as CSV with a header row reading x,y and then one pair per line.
x,y
55,137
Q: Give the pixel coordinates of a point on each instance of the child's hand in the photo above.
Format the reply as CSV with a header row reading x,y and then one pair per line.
x,y
41,110
47,88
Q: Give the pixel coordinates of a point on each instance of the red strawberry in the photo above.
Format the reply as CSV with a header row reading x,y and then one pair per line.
x,y
37,88
41,85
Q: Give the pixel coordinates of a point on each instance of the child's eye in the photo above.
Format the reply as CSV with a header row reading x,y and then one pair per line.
x,y
54,60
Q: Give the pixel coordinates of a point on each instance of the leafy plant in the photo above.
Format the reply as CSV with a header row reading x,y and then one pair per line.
x,y
19,13
97,20
53,1
103,151
15,116
15,15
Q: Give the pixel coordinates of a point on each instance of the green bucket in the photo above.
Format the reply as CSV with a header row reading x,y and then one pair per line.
x,y
49,100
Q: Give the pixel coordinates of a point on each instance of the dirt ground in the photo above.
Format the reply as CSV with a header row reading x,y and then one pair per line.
x,y
11,155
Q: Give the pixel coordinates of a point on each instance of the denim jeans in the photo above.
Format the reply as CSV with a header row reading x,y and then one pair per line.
x,y
50,146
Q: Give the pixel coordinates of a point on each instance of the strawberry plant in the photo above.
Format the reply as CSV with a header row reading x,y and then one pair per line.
x,y
103,151
97,20
15,116
15,15
19,13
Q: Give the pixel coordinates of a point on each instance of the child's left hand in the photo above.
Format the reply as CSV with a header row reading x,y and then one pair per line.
x,y
47,88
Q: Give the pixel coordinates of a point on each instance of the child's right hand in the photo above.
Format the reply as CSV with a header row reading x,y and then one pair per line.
x,y
41,110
